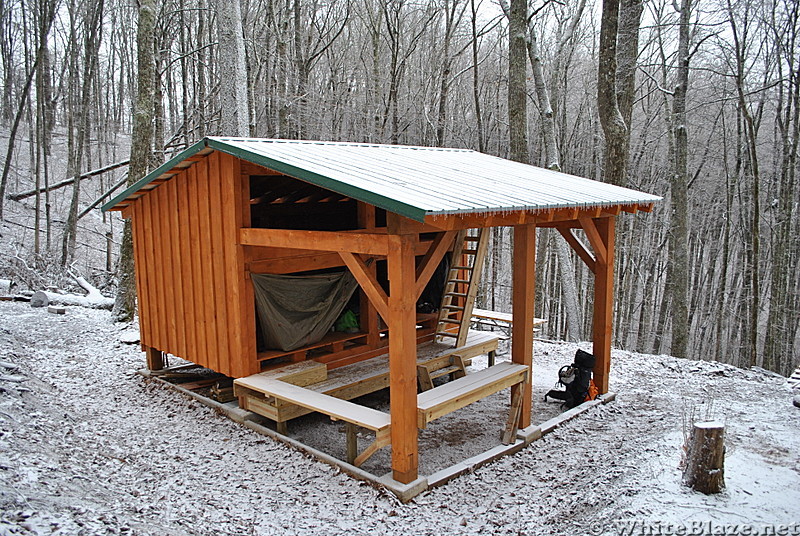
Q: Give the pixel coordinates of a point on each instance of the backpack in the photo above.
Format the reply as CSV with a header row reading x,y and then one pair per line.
x,y
576,380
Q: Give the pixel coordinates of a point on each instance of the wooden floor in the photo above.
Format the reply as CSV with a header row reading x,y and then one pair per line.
x,y
478,342
350,381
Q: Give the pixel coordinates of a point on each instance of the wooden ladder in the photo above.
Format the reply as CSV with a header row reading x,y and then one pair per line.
x,y
462,285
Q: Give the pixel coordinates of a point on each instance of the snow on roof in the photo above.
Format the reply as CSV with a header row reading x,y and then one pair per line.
x,y
413,181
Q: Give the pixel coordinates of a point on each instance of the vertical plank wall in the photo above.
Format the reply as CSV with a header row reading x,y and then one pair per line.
x,y
195,297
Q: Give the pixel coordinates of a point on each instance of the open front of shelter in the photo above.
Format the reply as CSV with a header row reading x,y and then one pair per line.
x,y
247,252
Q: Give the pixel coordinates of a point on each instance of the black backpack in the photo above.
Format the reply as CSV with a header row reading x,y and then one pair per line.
x,y
575,379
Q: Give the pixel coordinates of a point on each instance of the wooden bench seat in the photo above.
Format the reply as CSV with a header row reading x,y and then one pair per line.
x,y
350,381
461,392
336,408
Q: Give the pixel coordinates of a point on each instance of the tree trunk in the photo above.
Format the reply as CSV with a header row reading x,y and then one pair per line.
x,y
517,86
475,79
94,20
234,119
551,156
779,336
678,259
41,48
615,85
752,274
141,152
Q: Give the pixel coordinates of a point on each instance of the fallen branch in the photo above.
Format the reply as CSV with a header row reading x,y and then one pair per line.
x,y
43,298
93,299
102,197
19,196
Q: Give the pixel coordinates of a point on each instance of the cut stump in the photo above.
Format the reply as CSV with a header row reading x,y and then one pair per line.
x,y
704,469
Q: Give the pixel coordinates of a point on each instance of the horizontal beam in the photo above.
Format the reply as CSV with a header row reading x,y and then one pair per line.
x,y
367,243
506,219
296,263
542,218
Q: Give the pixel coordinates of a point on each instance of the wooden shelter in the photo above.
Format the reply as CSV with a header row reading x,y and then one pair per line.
x,y
227,208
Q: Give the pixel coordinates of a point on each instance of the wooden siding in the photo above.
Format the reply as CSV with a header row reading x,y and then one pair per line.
x,y
195,297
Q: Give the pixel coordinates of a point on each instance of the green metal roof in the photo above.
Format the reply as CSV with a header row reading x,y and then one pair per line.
x,y
411,181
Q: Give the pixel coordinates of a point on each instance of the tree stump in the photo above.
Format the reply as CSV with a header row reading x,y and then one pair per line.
x,y
704,469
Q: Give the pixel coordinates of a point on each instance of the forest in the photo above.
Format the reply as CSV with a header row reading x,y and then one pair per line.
x,y
693,100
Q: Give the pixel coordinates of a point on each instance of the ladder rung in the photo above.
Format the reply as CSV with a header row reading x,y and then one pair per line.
x,y
446,334
462,267
449,320
469,251
472,238
458,294
453,307
458,281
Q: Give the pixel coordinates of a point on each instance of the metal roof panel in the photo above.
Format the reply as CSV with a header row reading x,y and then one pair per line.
x,y
418,181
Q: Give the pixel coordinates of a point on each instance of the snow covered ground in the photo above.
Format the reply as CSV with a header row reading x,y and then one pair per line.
x,y
87,446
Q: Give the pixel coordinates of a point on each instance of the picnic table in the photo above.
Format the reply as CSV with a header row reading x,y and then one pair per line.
x,y
502,321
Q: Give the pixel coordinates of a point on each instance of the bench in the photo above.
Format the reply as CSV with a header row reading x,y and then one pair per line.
x,y
342,410
463,391
349,381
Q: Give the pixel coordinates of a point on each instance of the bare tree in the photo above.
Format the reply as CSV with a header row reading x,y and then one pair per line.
x,y
741,36
141,151
678,259
619,27
47,17
517,85
93,19
234,116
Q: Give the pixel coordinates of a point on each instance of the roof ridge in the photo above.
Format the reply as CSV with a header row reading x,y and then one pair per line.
x,y
340,143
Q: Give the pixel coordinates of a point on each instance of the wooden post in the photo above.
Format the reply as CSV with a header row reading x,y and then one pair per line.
x,y
155,358
352,442
368,314
240,297
704,469
602,329
403,358
524,282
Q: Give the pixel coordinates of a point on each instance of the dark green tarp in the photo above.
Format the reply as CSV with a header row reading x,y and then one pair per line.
x,y
295,311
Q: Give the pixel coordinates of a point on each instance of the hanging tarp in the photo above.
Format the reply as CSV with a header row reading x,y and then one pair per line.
x,y
295,311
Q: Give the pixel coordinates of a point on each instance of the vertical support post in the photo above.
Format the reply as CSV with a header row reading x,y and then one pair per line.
x,y
602,328
352,442
369,315
247,300
235,215
523,293
155,358
403,357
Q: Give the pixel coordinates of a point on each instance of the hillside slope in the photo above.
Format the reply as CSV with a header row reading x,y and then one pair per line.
x,y
89,447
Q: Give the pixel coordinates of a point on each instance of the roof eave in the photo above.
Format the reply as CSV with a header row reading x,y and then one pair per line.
x,y
166,167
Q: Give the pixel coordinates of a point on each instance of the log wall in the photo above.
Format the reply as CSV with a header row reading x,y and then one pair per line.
x,y
195,297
